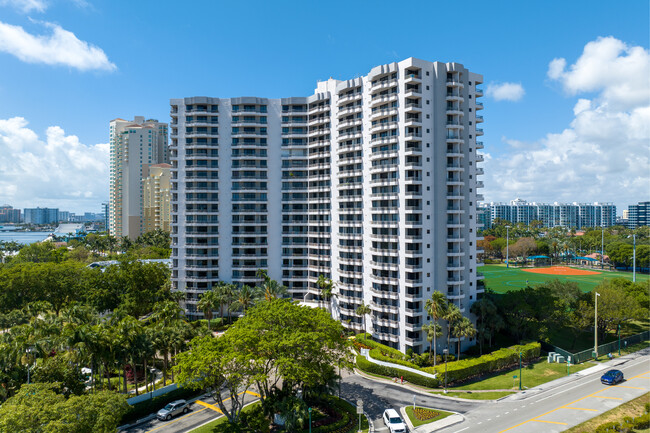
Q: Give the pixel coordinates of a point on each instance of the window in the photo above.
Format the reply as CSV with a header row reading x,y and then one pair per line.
x,y
427,102
427,73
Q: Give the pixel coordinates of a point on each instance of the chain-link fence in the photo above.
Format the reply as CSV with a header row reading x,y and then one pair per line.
x,y
585,355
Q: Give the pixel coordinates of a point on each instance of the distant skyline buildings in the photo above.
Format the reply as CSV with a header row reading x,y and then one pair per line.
x,y
570,215
638,215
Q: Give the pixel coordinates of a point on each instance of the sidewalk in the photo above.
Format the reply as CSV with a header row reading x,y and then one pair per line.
x,y
433,426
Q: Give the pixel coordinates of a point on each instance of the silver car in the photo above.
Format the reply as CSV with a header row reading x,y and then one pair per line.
x,y
172,409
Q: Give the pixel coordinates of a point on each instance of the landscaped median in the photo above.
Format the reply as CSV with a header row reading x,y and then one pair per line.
x,y
423,415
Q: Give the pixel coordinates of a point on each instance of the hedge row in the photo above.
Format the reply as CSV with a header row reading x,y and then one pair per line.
x,y
498,360
389,352
147,407
378,355
372,368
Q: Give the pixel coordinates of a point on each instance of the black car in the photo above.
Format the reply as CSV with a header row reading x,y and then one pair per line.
x,y
612,377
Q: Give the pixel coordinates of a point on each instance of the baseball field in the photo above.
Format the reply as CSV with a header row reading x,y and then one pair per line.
x,y
502,279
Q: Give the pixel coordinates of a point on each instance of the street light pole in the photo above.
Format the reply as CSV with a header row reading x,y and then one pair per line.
x,y
519,371
445,352
596,324
619,339
310,420
507,246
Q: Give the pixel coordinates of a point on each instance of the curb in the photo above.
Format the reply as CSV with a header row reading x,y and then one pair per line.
x,y
431,427
421,391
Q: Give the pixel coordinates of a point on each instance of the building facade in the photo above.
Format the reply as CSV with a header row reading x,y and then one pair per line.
x,y
371,182
41,216
638,214
570,215
134,144
157,198
10,215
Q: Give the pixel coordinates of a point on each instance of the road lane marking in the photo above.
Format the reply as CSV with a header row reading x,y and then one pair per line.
x,y
176,420
580,408
550,422
253,393
640,375
210,406
458,431
609,398
630,387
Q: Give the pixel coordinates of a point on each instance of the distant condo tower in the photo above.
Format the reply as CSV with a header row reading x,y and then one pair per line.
x,y
371,182
134,145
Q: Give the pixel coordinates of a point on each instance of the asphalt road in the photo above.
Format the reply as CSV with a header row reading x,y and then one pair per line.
x,y
378,397
549,408
557,408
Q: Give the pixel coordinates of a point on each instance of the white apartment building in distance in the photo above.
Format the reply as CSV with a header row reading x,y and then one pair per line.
x,y
134,144
371,182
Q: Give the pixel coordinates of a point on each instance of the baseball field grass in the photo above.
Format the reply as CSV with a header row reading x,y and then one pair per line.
x,y
501,279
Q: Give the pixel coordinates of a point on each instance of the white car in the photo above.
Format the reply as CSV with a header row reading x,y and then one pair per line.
x,y
393,421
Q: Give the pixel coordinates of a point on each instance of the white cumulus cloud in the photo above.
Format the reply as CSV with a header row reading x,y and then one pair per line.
x,y
505,91
604,153
60,47
25,6
55,171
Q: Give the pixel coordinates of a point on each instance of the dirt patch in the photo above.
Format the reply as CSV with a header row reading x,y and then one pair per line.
x,y
560,270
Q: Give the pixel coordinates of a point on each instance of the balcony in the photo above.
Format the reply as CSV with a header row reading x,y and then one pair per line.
x,y
479,92
479,119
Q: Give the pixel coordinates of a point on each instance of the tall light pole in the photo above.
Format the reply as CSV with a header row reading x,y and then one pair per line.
x,y
507,246
596,325
445,352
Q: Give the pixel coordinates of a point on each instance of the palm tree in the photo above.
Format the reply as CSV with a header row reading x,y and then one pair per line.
x,y
208,302
463,328
432,329
452,316
326,286
230,296
361,311
246,296
273,290
436,307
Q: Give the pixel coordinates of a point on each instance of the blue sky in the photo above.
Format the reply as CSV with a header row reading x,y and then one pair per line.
x,y
68,67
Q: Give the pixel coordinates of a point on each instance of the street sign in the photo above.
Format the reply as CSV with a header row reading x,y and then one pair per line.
x,y
360,406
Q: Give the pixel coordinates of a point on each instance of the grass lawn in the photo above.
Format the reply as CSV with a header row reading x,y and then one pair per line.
x,y
502,279
632,408
489,395
532,375
425,412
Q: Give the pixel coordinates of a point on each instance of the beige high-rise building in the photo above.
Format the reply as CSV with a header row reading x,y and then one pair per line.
x,y
134,145
156,199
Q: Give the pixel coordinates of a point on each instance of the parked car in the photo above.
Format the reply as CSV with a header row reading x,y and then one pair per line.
x,y
394,422
172,409
612,377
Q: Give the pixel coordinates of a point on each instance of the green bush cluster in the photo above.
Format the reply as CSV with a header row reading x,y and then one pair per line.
x,y
378,354
642,422
144,408
498,360
372,368
386,350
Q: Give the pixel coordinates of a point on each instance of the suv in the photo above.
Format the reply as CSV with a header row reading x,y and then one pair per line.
x,y
172,409
393,421
612,377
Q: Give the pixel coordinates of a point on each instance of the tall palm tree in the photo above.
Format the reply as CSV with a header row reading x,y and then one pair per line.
x,y
326,286
273,290
246,296
432,329
463,328
361,311
230,296
436,307
452,316
207,304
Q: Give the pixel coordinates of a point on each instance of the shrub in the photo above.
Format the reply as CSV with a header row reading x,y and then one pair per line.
x,y
386,350
380,356
422,414
643,421
414,378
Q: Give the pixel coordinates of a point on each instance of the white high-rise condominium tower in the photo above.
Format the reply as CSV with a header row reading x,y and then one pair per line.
x,y
371,182
134,144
